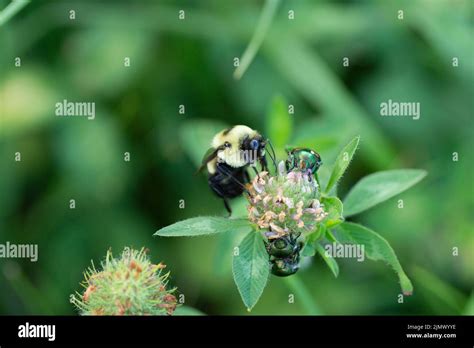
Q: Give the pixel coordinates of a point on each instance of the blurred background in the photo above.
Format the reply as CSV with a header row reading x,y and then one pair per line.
x,y
190,62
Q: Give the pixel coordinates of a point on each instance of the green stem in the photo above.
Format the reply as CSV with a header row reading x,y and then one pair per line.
x,y
440,290
296,285
264,22
11,10
469,307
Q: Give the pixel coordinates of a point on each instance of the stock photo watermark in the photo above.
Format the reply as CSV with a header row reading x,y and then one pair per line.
x,y
67,108
19,251
345,251
239,156
28,330
401,109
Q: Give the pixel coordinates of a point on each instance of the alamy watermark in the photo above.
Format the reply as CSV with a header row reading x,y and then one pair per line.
x,y
240,156
19,251
354,251
28,330
404,109
67,108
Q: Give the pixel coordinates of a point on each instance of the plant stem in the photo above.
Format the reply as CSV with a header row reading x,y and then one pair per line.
x,y
296,285
11,10
264,22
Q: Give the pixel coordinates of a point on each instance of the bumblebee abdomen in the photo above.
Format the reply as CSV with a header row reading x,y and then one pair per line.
x,y
227,182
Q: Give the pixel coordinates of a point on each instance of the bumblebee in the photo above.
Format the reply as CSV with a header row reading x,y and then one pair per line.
x,y
284,254
303,159
232,151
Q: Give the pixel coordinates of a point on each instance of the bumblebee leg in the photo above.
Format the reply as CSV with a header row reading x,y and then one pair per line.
x,y
264,163
246,176
256,171
221,194
272,156
227,206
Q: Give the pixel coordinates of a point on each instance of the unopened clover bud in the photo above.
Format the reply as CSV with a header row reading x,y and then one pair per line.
x,y
129,285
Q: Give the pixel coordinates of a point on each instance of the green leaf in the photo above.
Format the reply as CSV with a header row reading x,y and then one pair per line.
x,y
376,248
313,129
331,236
342,162
203,225
330,261
378,187
320,134
448,299
279,123
266,17
187,311
223,253
333,206
11,10
469,308
299,64
308,249
250,268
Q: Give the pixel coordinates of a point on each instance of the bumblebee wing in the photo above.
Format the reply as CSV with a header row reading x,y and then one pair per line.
x,y
208,156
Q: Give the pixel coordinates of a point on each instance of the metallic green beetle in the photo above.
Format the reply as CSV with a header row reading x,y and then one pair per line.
x,y
284,255
303,159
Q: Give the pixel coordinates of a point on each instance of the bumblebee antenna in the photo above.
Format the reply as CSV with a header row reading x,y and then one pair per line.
x,y
272,156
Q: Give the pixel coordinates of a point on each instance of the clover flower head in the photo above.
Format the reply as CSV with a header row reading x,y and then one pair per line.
x,y
285,203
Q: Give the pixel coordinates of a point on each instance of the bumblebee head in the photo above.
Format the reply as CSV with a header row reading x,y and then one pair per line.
x,y
254,143
239,146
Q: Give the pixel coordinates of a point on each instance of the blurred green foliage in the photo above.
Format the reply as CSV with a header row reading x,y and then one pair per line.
x,y
190,62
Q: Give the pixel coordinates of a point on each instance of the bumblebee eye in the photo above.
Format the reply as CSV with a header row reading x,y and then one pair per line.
x,y
227,144
254,144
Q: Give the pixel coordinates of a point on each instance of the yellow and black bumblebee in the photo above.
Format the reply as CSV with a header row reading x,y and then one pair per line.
x,y
232,151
